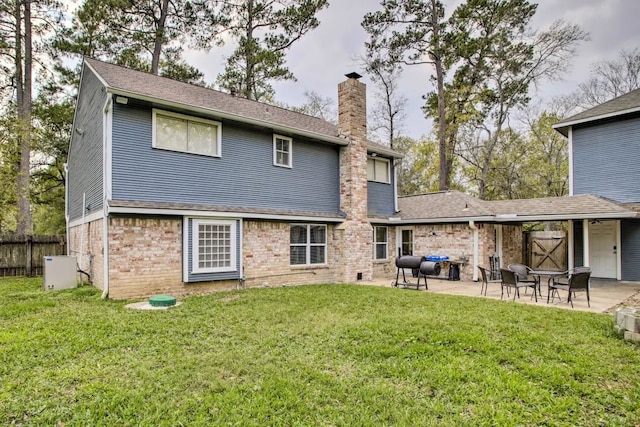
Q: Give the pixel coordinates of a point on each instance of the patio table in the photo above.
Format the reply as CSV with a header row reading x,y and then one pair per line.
x,y
549,274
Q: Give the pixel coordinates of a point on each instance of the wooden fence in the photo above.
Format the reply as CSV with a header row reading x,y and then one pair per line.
x,y
22,255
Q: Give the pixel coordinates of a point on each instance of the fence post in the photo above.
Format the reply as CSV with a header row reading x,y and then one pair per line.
x,y
29,256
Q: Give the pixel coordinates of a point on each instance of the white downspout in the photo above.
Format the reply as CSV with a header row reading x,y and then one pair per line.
x,y
66,205
571,248
395,185
476,251
106,192
105,250
82,236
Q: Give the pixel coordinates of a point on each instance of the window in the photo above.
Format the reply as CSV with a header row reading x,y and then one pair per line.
x,y
380,242
308,244
177,132
378,170
282,151
213,245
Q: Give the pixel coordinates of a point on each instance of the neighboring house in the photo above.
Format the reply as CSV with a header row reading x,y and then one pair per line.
x,y
175,188
604,160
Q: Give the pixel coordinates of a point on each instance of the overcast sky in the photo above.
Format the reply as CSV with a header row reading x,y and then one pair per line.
x,y
322,57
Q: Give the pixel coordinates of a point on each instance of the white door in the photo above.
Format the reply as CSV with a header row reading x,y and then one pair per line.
x,y
405,241
602,249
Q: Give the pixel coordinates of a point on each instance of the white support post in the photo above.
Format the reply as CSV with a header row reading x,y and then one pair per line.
x,y
585,242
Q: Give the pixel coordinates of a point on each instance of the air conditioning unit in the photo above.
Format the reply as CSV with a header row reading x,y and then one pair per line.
x,y
60,273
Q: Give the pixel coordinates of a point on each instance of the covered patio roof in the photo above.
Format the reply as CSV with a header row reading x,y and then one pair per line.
x,y
454,206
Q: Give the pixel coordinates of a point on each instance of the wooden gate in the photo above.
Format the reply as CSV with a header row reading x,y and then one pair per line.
x,y
547,250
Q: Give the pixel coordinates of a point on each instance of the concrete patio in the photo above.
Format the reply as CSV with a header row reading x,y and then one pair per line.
x,y
605,294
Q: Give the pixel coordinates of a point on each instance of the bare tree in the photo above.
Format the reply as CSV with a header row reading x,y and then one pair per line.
x,y
317,106
388,110
608,79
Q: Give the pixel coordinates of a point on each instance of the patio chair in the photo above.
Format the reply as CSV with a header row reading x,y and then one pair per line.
x,y
524,275
494,265
510,280
564,279
486,280
578,281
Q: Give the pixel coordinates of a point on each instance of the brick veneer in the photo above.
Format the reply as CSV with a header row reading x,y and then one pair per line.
x,y
266,256
456,241
145,257
354,234
89,251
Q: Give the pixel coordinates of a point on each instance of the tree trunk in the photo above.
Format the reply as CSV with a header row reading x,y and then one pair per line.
x,y
23,98
248,72
444,170
159,39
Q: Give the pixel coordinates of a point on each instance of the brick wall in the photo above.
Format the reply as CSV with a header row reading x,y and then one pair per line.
x,y
146,258
266,256
387,269
85,243
456,241
512,244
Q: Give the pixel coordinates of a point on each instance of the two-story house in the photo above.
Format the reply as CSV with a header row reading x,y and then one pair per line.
x,y
176,188
604,153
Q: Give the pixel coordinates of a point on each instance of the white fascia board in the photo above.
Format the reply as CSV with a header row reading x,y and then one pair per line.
x,y
207,214
223,115
384,152
596,118
561,217
88,218
508,218
464,220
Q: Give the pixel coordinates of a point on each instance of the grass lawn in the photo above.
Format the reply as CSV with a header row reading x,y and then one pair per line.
x,y
330,355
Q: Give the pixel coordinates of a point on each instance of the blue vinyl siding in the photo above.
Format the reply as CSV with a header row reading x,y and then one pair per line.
x,y
243,177
630,241
207,277
85,151
380,200
606,160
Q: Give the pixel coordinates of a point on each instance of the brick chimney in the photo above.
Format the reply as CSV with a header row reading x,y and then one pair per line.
x,y
355,233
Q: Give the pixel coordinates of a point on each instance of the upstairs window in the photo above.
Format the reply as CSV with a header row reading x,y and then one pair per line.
x,y
177,132
282,151
378,170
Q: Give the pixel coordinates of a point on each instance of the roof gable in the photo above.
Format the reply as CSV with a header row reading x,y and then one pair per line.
x,y
624,104
161,90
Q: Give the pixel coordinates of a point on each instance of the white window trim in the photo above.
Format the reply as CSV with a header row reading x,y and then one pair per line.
x,y
378,159
275,153
308,245
376,243
195,269
218,125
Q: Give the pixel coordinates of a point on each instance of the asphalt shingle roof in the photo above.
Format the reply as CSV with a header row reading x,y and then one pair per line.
x,y
623,104
147,86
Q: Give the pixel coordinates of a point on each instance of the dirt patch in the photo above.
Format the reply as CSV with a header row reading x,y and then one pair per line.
x,y
230,298
632,301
